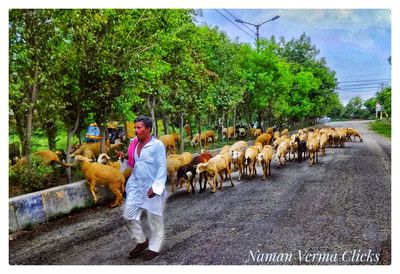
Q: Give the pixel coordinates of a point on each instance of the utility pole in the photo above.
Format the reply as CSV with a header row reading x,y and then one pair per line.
x,y
257,26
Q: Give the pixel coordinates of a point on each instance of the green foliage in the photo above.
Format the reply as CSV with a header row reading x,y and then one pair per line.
x,y
355,109
30,180
383,127
385,97
101,65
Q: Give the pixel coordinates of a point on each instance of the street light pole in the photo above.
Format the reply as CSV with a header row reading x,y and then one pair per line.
x,y
257,25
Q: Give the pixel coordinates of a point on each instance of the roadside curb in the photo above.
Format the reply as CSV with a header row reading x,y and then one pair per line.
x,y
49,204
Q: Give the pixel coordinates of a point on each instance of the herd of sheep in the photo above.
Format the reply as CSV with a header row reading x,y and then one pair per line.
x,y
186,169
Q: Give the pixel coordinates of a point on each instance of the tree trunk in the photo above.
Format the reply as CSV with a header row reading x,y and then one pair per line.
x,y
151,102
181,133
21,125
165,124
249,122
51,133
102,127
70,133
199,129
29,118
234,122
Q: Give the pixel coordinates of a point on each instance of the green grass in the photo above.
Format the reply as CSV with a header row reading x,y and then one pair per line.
x,y
217,144
39,141
382,127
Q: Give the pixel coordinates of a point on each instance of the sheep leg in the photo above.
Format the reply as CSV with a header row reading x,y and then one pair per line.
x,y
221,176
118,195
250,171
269,167
264,168
92,184
214,183
172,184
240,171
201,175
230,178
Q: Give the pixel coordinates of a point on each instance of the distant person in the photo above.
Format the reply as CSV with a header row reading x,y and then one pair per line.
x,y
187,129
378,110
145,189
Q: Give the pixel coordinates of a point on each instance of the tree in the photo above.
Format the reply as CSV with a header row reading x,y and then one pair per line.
x,y
31,32
385,97
355,108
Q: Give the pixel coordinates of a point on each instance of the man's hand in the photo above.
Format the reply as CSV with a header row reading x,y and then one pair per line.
x,y
150,193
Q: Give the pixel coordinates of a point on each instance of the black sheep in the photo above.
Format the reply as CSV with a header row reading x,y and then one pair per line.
x,y
302,149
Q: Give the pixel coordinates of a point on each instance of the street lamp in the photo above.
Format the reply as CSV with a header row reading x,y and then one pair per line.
x,y
257,25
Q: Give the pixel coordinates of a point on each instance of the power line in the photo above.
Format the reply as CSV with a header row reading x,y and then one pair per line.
x,y
242,24
360,85
235,24
388,79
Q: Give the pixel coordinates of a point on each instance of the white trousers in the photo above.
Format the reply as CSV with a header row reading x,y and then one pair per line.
x,y
156,225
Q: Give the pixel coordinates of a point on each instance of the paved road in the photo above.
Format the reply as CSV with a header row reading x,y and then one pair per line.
x,y
337,212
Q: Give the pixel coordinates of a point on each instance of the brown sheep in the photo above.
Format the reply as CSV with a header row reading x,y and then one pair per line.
x,y
257,132
270,131
264,138
238,146
313,148
264,158
251,131
47,157
210,135
195,140
281,152
250,158
323,142
106,160
91,151
353,132
228,132
169,143
174,162
106,175
237,155
216,166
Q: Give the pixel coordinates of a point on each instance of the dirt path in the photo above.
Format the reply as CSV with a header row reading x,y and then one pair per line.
x,y
339,208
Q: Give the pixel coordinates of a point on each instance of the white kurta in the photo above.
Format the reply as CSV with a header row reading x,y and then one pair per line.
x,y
150,171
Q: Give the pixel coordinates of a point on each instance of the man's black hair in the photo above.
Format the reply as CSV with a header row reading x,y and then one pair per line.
x,y
148,123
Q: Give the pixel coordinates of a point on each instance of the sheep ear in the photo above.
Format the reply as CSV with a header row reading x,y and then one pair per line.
x,y
90,160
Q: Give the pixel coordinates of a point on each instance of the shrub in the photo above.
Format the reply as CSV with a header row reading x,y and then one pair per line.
x,y
37,178
22,180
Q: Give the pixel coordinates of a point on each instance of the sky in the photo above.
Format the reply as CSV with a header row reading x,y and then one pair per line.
x,y
356,43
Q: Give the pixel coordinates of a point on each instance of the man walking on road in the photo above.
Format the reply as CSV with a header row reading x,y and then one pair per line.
x,y
145,189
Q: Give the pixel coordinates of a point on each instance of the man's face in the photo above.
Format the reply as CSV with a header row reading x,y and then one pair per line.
x,y
141,131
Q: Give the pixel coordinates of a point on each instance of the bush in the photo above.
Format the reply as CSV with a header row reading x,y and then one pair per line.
x,y
22,180
383,127
25,180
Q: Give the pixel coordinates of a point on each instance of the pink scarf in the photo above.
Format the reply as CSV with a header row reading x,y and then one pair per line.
x,y
131,152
